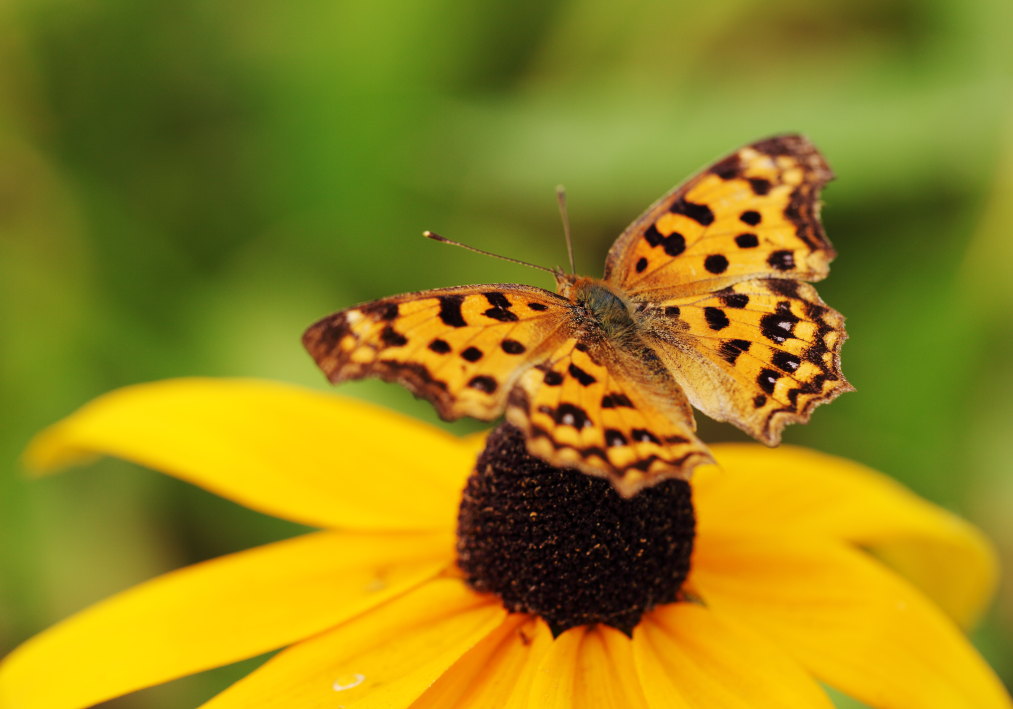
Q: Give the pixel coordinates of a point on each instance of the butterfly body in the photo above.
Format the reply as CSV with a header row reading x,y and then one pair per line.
x,y
599,310
703,302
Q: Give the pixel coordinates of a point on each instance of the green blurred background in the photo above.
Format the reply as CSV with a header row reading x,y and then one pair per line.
x,y
185,185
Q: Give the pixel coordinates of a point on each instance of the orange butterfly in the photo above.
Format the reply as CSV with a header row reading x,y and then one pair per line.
x,y
703,302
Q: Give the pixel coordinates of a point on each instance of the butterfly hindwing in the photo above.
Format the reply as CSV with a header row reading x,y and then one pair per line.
x,y
460,348
759,354
754,213
586,408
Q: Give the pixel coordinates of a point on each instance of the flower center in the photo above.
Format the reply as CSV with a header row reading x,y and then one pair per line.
x,y
566,546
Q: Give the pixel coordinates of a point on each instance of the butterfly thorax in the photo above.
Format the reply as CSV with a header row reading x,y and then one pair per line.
x,y
601,306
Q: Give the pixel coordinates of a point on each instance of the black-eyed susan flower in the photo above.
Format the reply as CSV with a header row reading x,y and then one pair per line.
x,y
769,593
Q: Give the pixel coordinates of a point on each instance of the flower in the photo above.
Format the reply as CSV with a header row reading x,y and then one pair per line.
x,y
373,613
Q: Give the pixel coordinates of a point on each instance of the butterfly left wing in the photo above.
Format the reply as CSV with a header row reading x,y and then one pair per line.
x,y
460,348
607,414
754,213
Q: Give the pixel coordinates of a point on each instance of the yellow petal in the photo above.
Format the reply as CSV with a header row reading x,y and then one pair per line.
x,y
852,623
385,658
588,667
688,657
290,452
495,673
817,494
215,613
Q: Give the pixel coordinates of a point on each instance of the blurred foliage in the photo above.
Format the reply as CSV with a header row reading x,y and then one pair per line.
x,y
184,186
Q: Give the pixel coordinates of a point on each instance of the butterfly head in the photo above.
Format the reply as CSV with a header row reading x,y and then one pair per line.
x,y
565,282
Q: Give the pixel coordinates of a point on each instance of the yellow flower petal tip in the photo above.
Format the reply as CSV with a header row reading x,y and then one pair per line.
x,y
283,450
804,492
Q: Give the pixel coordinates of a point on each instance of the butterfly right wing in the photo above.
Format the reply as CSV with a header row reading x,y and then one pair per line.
x,y
460,348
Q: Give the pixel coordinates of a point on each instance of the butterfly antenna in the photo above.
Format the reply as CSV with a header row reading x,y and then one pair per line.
x,y
561,199
445,240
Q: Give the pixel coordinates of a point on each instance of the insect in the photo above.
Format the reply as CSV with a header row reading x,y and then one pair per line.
x,y
704,302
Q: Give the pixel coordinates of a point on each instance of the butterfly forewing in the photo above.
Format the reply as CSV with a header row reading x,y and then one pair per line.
x,y
754,213
460,348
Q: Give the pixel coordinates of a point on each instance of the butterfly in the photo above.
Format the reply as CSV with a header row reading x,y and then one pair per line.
x,y
704,302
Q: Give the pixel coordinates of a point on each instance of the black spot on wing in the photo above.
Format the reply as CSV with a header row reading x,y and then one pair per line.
x,y
614,438
716,318
512,347
814,311
735,300
759,185
674,244
750,217
450,310
642,435
747,241
497,299
439,346
652,235
645,464
767,379
778,326
540,307
716,263
731,349
783,260
501,314
500,309
785,361
553,378
392,338
571,415
641,264
700,213
472,354
483,383
612,401
580,375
